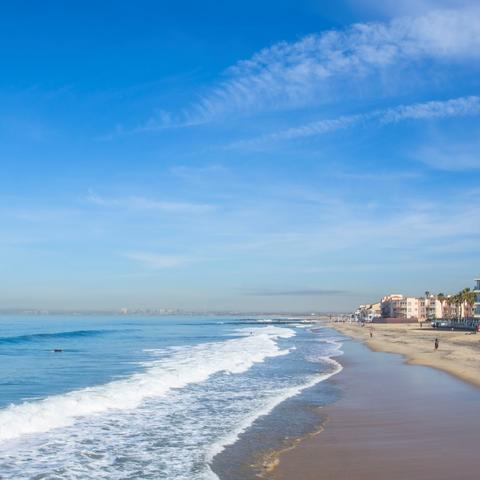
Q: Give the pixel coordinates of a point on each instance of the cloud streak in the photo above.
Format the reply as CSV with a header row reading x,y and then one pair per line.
x,y
312,69
451,157
137,203
457,107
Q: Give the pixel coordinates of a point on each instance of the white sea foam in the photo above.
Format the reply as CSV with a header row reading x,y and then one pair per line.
x,y
283,395
176,434
177,368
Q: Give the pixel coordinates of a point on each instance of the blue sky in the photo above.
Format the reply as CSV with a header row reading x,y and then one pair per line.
x,y
254,156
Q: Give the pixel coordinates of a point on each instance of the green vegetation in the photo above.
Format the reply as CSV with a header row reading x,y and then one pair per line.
x,y
463,297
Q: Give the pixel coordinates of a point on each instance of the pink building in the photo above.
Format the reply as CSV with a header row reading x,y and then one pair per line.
x,y
401,307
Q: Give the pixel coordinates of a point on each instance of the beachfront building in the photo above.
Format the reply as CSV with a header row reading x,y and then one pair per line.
x,y
429,308
401,307
476,290
375,311
457,310
458,307
368,312
396,308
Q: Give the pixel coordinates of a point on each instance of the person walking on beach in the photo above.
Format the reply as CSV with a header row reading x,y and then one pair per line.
x,y
436,344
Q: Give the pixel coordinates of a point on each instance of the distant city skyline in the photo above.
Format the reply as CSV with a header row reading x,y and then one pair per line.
x,y
272,156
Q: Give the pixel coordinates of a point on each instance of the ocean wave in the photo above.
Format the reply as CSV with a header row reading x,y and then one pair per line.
x,y
51,336
267,408
177,368
176,435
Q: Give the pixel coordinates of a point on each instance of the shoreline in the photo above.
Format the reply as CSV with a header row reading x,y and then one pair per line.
x,y
269,462
393,421
297,409
458,353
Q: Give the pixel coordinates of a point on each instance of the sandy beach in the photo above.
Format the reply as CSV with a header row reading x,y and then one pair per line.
x,y
458,352
394,421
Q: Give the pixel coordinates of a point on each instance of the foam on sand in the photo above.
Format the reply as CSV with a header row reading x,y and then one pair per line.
x,y
281,397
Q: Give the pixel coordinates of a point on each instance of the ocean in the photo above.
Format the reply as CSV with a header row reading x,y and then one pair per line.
x,y
180,397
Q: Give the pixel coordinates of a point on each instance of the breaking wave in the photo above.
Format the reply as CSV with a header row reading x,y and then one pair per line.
x,y
172,368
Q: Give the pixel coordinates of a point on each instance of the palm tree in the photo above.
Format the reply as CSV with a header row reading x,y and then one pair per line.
x,y
457,300
441,298
468,298
462,300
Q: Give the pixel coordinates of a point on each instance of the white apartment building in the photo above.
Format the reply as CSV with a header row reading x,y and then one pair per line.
x,y
429,308
400,306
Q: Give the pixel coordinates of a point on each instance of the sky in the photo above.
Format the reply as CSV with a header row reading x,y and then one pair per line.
x,y
292,155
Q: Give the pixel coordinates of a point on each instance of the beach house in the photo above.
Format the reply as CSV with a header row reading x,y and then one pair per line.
x,y
368,312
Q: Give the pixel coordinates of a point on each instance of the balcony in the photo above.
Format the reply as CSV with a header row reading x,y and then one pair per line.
x,y
477,285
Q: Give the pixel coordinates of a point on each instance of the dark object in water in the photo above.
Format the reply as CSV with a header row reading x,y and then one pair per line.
x,y
57,350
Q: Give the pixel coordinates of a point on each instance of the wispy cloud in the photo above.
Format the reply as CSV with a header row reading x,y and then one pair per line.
x,y
408,7
145,204
158,121
450,157
157,261
457,107
378,176
199,174
308,130
314,68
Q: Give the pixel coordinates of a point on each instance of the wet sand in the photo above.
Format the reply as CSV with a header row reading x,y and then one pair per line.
x,y
458,354
395,422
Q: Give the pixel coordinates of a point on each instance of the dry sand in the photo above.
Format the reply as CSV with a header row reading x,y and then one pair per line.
x,y
458,353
